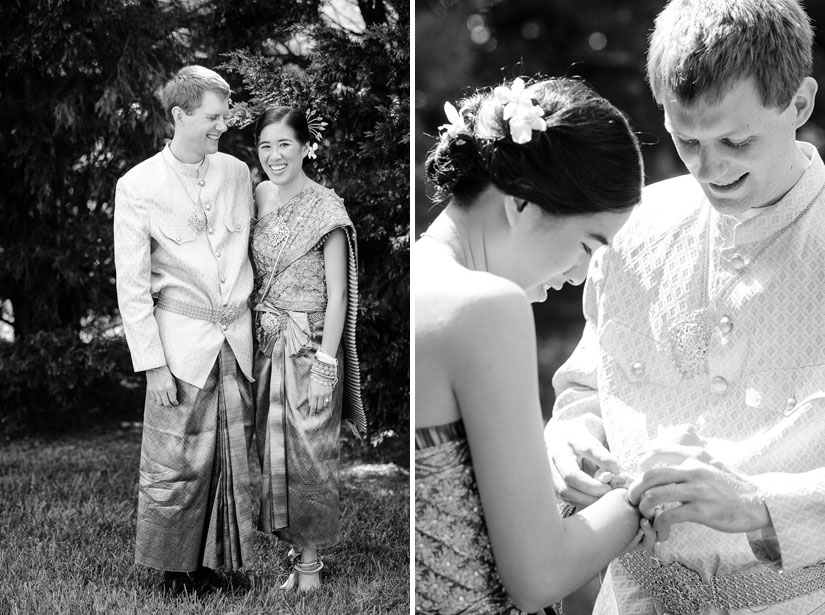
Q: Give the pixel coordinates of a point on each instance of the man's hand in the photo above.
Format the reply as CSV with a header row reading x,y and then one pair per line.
x,y
571,445
706,491
161,386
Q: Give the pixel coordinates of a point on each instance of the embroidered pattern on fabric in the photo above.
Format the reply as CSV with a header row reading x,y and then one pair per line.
x,y
301,280
303,283
455,571
280,231
223,316
269,324
197,219
690,335
689,339
681,590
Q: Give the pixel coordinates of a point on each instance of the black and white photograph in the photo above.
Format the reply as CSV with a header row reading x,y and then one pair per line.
x,y
204,297
617,287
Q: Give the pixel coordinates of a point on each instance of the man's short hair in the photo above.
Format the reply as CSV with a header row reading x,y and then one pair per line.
x,y
702,48
186,89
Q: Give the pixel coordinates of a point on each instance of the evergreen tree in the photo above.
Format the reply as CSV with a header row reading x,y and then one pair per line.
x,y
80,103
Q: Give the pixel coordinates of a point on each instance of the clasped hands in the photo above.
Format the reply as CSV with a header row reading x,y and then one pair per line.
x,y
678,480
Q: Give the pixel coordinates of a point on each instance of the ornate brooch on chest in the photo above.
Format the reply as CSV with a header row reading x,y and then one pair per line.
x,y
279,231
689,336
689,339
197,219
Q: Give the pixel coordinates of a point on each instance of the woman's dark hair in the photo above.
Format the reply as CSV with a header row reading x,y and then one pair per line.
x,y
296,120
586,161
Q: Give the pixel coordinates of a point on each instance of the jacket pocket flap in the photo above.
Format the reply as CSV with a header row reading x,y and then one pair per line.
x,y
640,357
235,225
179,233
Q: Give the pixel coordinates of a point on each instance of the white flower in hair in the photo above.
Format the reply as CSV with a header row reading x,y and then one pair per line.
x,y
316,127
456,125
523,115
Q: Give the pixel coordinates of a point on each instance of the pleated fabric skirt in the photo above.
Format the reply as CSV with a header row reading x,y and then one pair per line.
x,y
298,451
194,501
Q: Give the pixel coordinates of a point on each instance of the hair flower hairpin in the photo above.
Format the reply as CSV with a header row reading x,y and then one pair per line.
x,y
456,125
315,124
523,114
311,153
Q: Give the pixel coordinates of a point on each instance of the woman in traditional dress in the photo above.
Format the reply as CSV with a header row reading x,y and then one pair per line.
x,y
536,176
306,369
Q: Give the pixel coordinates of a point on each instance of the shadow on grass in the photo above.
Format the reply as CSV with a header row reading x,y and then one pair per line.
x,y
67,521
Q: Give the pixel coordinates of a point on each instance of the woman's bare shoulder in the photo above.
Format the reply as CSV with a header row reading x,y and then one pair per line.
x,y
266,198
468,324
265,187
451,300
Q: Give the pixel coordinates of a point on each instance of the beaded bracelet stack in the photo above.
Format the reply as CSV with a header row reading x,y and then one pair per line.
x,y
324,369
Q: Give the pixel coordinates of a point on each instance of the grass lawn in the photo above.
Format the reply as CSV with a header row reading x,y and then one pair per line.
x,y
67,523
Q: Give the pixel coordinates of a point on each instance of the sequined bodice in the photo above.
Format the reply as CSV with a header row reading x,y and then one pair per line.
x,y
302,285
454,567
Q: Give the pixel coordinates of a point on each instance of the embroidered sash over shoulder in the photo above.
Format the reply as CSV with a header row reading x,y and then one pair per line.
x,y
290,241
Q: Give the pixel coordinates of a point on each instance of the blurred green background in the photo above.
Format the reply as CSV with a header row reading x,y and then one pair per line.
x,y
464,44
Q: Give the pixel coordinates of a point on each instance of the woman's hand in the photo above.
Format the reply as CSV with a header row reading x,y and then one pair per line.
x,y
319,396
644,540
573,446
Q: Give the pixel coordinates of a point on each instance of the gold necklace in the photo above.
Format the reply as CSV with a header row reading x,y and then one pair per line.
x,y
197,219
689,336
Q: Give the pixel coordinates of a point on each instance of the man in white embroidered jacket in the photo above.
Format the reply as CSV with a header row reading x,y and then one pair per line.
x,y
700,376
181,229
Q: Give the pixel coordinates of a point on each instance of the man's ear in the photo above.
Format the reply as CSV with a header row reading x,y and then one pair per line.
x,y
177,114
804,100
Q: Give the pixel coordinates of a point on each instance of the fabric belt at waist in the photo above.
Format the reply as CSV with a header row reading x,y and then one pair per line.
x,y
682,591
224,316
274,322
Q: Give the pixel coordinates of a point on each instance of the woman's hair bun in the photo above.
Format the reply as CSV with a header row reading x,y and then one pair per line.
x,y
577,155
455,166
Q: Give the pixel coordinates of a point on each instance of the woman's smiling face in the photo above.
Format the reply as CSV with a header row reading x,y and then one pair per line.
x,y
281,153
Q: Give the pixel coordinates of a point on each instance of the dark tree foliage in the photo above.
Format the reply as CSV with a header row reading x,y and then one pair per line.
x,y
78,78
78,81
79,99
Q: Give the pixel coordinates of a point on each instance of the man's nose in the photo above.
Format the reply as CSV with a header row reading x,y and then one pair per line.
x,y
707,166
